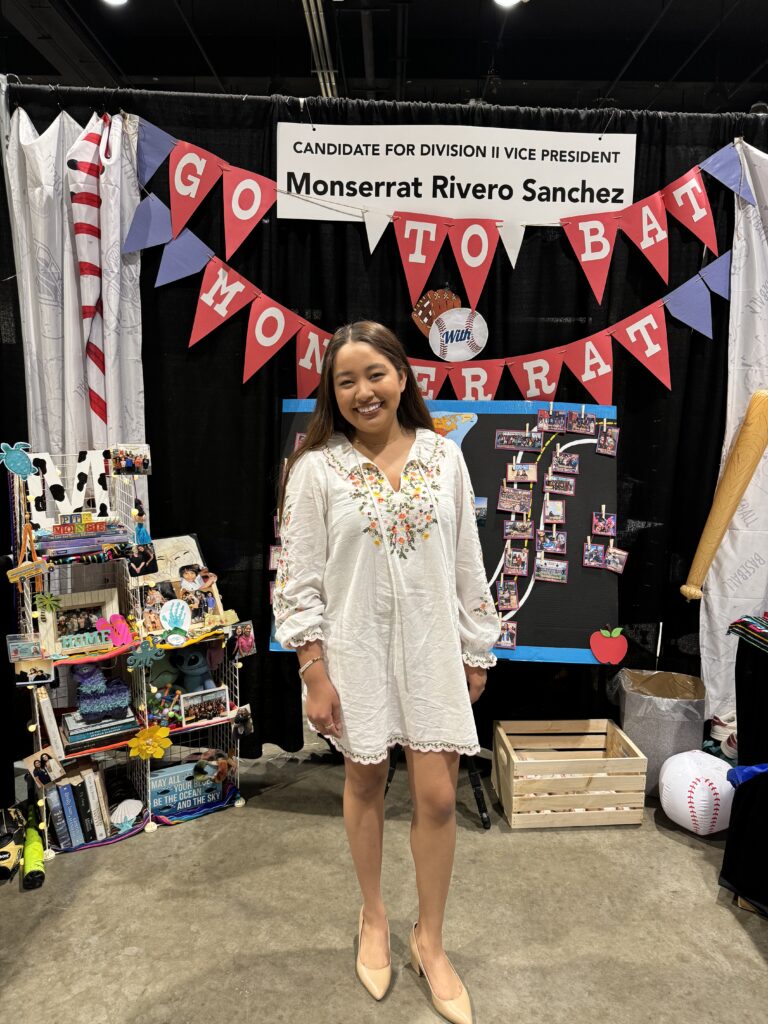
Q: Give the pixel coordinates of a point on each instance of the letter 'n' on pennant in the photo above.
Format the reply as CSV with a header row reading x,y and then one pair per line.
x,y
644,334
591,361
419,239
474,244
270,325
222,293
192,173
311,343
645,223
592,237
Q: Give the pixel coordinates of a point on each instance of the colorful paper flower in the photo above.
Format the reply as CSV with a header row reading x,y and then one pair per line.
x,y
150,742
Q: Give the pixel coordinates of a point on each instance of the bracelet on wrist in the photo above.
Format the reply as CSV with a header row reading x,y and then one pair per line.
x,y
307,664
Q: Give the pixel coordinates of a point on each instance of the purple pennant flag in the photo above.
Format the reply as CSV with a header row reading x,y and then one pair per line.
x,y
717,275
151,225
182,256
692,304
154,147
726,167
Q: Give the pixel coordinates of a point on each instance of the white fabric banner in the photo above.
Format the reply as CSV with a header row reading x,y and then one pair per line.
x,y
737,582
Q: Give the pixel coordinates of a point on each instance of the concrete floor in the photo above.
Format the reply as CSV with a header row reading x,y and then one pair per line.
x,y
250,915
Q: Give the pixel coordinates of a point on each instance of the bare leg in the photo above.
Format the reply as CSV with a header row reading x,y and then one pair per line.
x,y
364,821
432,777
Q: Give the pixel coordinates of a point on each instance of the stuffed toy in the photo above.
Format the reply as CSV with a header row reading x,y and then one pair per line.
x,y
194,672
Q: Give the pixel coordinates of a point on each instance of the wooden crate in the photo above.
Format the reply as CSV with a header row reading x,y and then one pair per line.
x,y
589,764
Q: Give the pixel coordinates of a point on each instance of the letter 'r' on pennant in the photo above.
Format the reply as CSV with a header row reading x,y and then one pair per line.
x,y
591,361
537,375
222,294
192,173
419,239
476,381
270,325
686,199
592,237
644,334
311,343
645,223
474,244
247,199
430,376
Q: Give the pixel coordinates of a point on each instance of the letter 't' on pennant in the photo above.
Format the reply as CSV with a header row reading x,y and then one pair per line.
x,y
153,148
192,174
151,225
646,224
717,275
686,199
270,325
725,165
645,335
474,244
222,293
182,257
477,381
419,239
430,376
376,223
591,361
592,237
691,303
537,375
311,344
247,198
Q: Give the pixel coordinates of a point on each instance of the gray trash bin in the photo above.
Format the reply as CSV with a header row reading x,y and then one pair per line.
x,y
663,713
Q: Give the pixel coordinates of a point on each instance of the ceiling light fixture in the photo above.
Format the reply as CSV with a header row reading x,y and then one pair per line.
x,y
510,3
115,3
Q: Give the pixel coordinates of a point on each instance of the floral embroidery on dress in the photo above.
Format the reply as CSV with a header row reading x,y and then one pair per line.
x,y
282,576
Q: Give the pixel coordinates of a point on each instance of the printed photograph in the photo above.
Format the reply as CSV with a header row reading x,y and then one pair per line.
x,y
552,543
241,642
204,705
550,570
481,511
615,560
142,560
519,440
554,510
197,587
171,554
578,424
560,485
274,555
594,556
71,621
130,460
516,561
44,767
553,422
607,441
33,670
506,594
298,441
152,600
23,646
565,462
522,472
514,499
518,529
508,636
604,524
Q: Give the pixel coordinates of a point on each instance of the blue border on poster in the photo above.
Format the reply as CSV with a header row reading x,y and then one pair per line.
x,y
571,655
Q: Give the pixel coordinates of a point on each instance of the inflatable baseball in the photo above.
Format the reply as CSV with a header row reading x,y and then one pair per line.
x,y
695,792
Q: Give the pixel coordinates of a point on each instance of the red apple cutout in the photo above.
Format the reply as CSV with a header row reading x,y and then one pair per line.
x,y
608,645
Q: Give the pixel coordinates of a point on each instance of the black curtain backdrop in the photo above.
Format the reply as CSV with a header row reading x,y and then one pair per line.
x,y
215,441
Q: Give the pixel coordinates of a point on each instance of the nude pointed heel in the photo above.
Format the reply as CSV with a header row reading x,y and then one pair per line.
x,y
458,1010
375,979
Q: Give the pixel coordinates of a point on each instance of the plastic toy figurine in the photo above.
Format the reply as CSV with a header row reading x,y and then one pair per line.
x,y
16,459
141,535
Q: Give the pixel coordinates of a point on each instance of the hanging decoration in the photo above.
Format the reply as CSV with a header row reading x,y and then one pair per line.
x,y
193,173
474,245
686,199
476,381
690,304
154,148
311,343
725,166
645,335
430,376
645,223
182,256
222,294
591,362
419,239
151,225
270,325
247,199
537,374
592,237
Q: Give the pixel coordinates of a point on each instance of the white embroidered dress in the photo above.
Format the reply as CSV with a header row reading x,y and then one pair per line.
x,y
393,584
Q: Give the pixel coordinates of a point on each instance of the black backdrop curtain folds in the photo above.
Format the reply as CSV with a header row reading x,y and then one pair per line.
x,y
215,440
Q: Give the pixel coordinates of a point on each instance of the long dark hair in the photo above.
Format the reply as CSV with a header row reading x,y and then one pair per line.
x,y
326,418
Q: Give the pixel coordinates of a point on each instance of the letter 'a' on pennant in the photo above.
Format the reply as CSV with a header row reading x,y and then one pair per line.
x,y
717,275
474,244
646,224
270,325
182,257
691,303
686,199
151,225
247,199
538,374
725,165
590,360
222,293
476,381
192,173
592,237
419,239
153,148
430,376
311,343
376,223
644,334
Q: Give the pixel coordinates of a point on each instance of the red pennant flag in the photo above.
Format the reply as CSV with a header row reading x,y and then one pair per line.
x,y
419,239
270,325
686,198
474,244
222,293
247,198
592,237
537,375
644,334
311,344
646,224
430,376
477,380
591,360
192,173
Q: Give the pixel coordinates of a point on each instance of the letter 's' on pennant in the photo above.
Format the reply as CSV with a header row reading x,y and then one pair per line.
x,y
222,293
474,244
419,239
247,199
537,375
477,381
430,376
592,237
644,334
192,173
311,343
686,199
645,222
270,325
591,361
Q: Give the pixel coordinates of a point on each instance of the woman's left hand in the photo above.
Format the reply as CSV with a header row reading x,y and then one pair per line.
x,y
476,678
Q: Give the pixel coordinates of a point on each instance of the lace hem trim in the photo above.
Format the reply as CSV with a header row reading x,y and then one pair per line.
x,y
403,741
479,660
304,638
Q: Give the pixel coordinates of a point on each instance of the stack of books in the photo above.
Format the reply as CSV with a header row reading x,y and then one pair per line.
x,y
78,734
79,808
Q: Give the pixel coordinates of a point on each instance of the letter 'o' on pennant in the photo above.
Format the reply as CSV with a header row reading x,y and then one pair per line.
x,y
644,334
590,360
430,376
474,244
182,257
192,173
646,224
270,325
222,293
419,239
476,381
592,237
311,344
247,198
692,304
537,375
687,200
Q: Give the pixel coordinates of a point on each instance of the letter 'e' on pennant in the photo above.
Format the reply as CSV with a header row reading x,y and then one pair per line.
x,y
270,325
247,199
430,376
192,174
311,344
222,293
537,374
686,199
591,361
644,334
645,223
592,237
474,244
419,239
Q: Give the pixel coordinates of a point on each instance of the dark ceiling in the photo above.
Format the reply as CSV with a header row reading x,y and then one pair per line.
x,y
688,55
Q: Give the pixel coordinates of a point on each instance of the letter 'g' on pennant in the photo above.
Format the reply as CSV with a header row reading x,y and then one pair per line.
x,y
591,361
311,343
476,381
430,376
646,224
419,239
192,173
247,198
474,244
222,293
270,325
644,334
686,199
537,375
592,237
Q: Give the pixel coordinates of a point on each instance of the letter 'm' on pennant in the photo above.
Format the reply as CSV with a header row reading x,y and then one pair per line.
x,y
591,361
153,148
222,294
537,375
247,199
645,335
270,325
419,239
474,244
691,303
726,166
311,343
192,174
430,376
646,224
476,381
686,199
592,237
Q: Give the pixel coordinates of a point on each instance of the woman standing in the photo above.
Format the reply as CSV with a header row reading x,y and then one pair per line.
x,y
382,591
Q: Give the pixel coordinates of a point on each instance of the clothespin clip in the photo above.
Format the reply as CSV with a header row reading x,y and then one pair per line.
x,y
554,529
610,544
605,423
551,408
589,541
527,430
602,510
583,408
557,448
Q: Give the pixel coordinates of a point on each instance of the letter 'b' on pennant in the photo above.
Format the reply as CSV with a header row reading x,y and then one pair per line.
x,y
247,198
192,174
645,335
592,237
474,244
222,293
419,239
270,325
591,361
311,344
646,224
686,199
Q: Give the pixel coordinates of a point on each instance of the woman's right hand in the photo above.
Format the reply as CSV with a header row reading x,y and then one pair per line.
x,y
323,704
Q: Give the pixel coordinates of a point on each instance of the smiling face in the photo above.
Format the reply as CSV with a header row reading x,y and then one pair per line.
x,y
367,387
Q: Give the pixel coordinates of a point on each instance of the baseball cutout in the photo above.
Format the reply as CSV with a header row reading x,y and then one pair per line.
x,y
458,335
695,792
